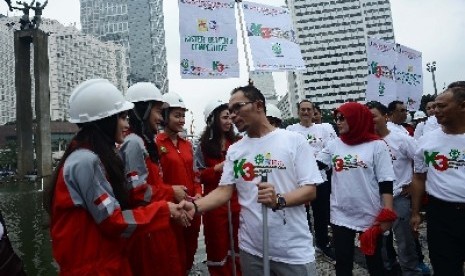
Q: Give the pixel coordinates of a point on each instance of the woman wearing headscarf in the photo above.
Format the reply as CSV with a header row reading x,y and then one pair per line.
x,y
361,191
221,224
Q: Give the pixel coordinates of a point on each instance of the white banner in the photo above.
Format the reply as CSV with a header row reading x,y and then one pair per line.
x,y
272,38
394,73
381,84
208,39
409,78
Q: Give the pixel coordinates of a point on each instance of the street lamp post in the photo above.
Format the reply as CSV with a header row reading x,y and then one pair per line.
x,y
431,67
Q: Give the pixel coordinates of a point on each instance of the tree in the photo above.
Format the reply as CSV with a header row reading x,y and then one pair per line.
x,y
8,155
289,121
424,100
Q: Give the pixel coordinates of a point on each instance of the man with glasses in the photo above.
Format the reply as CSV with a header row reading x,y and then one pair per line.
x,y
271,167
317,137
397,116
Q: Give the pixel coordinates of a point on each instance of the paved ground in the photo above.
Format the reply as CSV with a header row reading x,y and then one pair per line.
x,y
325,267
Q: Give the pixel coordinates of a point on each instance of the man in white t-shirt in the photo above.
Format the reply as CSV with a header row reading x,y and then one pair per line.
x,y
397,116
402,150
440,168
317,137
291,175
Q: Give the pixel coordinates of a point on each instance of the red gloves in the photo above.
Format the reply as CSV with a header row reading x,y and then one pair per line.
x,y
369,238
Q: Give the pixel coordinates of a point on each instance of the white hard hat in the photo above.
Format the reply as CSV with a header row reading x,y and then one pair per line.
x,y
96,99
211,106
273,111
174,100
419,115
143,92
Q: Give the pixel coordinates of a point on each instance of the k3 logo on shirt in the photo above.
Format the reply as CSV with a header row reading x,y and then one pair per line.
x,y
263,164
246,170
347,162
441,162
311,139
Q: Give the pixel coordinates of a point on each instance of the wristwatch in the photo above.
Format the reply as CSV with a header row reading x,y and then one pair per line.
x,y
280,202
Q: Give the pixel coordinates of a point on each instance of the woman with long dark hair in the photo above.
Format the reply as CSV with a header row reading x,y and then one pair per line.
x,y
361,188
91,218
221,224
154,253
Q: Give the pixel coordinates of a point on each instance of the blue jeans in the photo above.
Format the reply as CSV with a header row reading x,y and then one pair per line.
x,y
406,250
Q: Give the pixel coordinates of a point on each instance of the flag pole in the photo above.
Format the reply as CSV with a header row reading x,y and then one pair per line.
x,y
231,239
241,23
266,257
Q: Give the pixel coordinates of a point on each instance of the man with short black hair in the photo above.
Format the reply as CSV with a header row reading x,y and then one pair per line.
x,y
397,116
440,168
271,167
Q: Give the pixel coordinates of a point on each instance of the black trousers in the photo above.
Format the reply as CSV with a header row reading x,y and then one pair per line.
x,y
446,237
320,207
343,239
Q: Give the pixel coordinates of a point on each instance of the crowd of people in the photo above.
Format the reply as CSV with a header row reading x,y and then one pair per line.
x,y
128,198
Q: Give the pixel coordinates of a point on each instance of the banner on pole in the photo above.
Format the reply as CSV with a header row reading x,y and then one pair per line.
x,y
208,39
394,73
272,39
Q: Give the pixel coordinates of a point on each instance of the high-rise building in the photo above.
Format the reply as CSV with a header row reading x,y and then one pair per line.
x,y
332,35
137,25
73,58
265,83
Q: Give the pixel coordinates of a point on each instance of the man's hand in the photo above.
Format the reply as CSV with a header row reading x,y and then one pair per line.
x,y
178,214
406,191
266,194
415,221
189,208
179,192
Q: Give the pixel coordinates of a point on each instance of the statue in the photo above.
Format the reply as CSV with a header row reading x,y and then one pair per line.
x,y
38,13
8,2
25,22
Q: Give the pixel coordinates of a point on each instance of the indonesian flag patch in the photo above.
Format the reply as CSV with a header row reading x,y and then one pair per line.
x,y
102,201
132,176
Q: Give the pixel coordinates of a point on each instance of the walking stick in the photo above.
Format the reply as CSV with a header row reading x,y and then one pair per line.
x,y
231,239
266,258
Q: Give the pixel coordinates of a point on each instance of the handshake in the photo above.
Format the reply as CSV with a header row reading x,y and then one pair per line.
x,y
182,213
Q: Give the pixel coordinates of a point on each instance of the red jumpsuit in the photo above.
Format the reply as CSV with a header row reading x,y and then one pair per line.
x,y
155,253
216,225
89,230
178,169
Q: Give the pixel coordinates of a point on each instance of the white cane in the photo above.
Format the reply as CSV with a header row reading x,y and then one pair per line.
x,y
231,239
266,258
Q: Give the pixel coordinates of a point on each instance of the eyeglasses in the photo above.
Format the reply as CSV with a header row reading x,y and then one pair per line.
x,y
339,118
235,108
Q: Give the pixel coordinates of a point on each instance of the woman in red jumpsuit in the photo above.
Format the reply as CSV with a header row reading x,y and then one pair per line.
x,y
155,253
176,158
209,158
91,222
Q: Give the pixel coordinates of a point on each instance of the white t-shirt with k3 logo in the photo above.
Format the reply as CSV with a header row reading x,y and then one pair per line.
x,y
289,163
442,157
317,137
357,170
402,149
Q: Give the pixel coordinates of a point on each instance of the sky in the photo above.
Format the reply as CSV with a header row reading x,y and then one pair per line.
x,y
433,27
